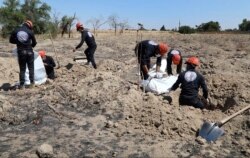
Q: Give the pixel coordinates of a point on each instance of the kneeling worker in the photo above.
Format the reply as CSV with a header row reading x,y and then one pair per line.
x,y
49,64
190,81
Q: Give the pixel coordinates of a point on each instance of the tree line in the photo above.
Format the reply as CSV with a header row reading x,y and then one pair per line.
x,y
13,13
214,26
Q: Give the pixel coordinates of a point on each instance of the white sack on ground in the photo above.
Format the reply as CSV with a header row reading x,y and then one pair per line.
x,y
40,75
161,85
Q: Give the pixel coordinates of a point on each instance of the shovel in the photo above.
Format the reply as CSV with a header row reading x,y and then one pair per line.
x,y
212,131
80,59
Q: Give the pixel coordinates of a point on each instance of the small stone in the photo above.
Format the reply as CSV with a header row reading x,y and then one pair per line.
x,y
179,118
146,123
235,142
200,140
164,132
74,105
193,129
129,132
109,124
174,128
157,124
45,151
168,112
115,125
114,154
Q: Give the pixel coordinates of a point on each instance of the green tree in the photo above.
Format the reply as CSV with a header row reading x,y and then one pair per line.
x,y
66,24
186,30
163,28
39,13
10,16
245,25
209,27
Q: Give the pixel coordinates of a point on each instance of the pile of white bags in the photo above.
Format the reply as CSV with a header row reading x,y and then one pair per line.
x,y
40,75
160,85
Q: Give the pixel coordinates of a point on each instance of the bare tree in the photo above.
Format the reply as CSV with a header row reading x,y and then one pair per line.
x,y
114,21
123,25
97,23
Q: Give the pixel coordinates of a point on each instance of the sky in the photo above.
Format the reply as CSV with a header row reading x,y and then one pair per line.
x,y
155,13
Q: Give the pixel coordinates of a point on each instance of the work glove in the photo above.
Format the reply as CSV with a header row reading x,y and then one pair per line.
x,y
158,75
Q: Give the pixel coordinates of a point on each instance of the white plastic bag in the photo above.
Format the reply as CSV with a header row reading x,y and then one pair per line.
x,y
40,75
161,85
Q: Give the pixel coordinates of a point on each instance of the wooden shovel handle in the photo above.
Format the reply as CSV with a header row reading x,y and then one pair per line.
x,y
233,115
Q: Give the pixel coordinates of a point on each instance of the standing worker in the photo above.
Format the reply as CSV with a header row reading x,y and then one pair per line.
x,y
49,64
90,41
25,40
147,49
191,81
174,56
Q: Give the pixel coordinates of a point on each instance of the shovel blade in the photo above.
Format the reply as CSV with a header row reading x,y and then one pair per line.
x,y
210,131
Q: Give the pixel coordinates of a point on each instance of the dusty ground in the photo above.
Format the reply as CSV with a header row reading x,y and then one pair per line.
x,y
100,113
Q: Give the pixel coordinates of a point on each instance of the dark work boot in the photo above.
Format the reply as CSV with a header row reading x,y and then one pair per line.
x,y
21,87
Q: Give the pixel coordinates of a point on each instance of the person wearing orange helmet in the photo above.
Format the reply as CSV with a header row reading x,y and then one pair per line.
x,y
174,56
25,40
191,80
49,64
90,41
147,49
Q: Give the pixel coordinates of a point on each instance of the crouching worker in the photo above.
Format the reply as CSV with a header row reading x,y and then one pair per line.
x,y
174,56
147,49
191,81
49,64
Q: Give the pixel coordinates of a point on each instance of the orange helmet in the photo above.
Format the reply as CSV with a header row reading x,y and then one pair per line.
x,y
42,53
29,23
176,59
79,25
163,48
193,60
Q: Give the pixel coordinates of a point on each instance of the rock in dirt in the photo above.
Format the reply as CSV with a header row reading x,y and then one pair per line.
x,y
200,140
164,132
45,151
109,124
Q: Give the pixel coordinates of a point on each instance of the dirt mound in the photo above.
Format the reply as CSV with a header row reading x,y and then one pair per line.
x,y
102,113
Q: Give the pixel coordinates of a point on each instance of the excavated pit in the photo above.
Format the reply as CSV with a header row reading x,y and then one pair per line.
x,y
101,113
